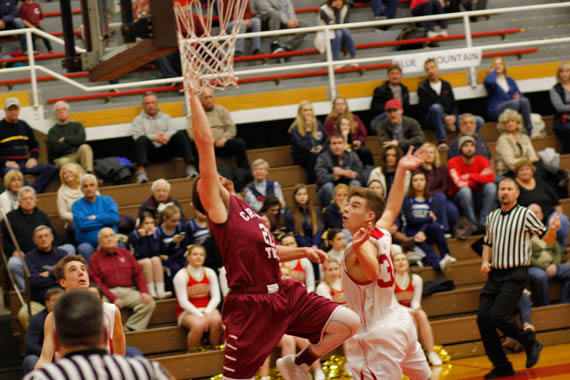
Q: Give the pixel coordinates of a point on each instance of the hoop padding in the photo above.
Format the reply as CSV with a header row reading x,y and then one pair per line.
x,y
207,59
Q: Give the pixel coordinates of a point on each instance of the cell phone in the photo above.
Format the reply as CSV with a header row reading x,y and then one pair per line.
x,y
182,234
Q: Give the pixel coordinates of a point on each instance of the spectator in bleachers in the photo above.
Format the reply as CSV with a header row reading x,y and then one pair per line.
x,y
408,291
337,12
534,190
357,129
35,332
121,279
67,142
346,128
271,209
399,130
250,23
19,148
391,89
437,103
156,138
41,262
503,93
9,20
337,165
546,264
160,196
261,187
147,249
199,228
173,234
32,16
23,221
91,213
429,8
438,185
472,183
333,212
223,129
382,9
386,171
280,14
69,191
560,98
13,182
299,269
307,138
198,296
513,145
331,285
336,242
468,126
421,223
377,187
304,219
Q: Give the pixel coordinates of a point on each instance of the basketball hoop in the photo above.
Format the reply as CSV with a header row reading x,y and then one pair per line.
x,y
207,58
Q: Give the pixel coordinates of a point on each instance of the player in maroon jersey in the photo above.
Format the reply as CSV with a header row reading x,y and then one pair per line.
x,y
261,307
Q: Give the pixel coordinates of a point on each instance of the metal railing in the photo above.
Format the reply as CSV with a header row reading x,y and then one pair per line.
x,y
329,63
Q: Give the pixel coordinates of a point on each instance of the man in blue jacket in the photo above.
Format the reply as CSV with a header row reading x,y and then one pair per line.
x,y
9,19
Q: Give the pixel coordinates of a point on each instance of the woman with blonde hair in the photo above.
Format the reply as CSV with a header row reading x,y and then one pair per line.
x,y
69,191
357,127
503,93
13,182
513,145
437,184
560,99
306,137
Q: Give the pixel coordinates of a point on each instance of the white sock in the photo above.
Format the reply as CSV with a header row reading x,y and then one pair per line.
x,y
151,291
159,288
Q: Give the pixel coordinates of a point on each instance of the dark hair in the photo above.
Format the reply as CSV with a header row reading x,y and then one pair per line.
x,y
52,292
79,319
146,214
508,179
399,154
149,93
270,201
59,270
336,135
395,66
411,191
196,202
283,236
332,232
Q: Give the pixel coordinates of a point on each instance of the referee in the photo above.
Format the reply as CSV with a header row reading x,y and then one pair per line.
x,y
506,258
80,339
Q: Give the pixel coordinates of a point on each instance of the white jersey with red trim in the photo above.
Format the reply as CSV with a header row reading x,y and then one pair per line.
x,y
372,301
109,323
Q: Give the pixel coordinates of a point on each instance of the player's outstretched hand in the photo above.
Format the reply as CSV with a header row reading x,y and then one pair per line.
x,y
318,256
360,237
413,160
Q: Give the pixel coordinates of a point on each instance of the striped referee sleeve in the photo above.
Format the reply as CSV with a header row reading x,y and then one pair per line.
x,y
534,225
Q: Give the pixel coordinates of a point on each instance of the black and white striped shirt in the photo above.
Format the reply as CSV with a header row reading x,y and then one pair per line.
x,y
509,234
99,365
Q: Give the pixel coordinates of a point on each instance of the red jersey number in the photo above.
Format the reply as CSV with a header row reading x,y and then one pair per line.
x,y
268,239
386,277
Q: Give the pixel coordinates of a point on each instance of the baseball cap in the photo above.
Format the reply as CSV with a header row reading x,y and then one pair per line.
x,y
11,102
392,103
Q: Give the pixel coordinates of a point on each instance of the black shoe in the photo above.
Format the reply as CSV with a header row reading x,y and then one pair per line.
x,y
533,354
274,46
500,372
256,52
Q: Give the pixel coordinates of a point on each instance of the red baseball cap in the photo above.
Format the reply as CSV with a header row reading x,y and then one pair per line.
x,y
392,103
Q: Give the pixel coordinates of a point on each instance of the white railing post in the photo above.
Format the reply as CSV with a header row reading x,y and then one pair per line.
x,y
32,64
328,49
469,42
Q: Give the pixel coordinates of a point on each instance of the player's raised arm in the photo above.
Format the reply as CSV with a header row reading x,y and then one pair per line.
x,y
292,253
408,162
214,197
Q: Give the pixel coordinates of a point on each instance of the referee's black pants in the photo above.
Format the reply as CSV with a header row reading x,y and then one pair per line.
x,y
497,303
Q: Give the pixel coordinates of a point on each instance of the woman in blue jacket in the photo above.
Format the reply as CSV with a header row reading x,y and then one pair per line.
x,y
503,93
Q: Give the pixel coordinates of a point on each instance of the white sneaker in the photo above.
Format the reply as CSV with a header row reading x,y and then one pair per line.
x,y
164,295
453,259
290,371
319,375
445,264
434,359
431,34
443,33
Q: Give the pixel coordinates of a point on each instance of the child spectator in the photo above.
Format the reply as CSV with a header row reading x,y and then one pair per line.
x,y
147,248
421,223
504,93
408,291
198,296
336,241
261,187
32,16
172,234
333,212
428,8
337,12
346,128
357,127
300,269
198,228
307,137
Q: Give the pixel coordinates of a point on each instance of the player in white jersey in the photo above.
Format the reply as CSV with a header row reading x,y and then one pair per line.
x,y
386,343
71,273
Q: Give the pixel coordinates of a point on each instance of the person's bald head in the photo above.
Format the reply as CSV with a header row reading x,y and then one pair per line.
x,y
107,239
208,98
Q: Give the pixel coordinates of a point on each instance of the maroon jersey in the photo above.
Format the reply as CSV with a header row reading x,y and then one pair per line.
x,y
247,247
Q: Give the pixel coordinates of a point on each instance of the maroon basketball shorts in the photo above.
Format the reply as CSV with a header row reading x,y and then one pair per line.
x,y
255,323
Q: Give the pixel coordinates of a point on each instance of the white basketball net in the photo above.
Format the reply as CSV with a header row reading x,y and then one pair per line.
x,y
207,58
